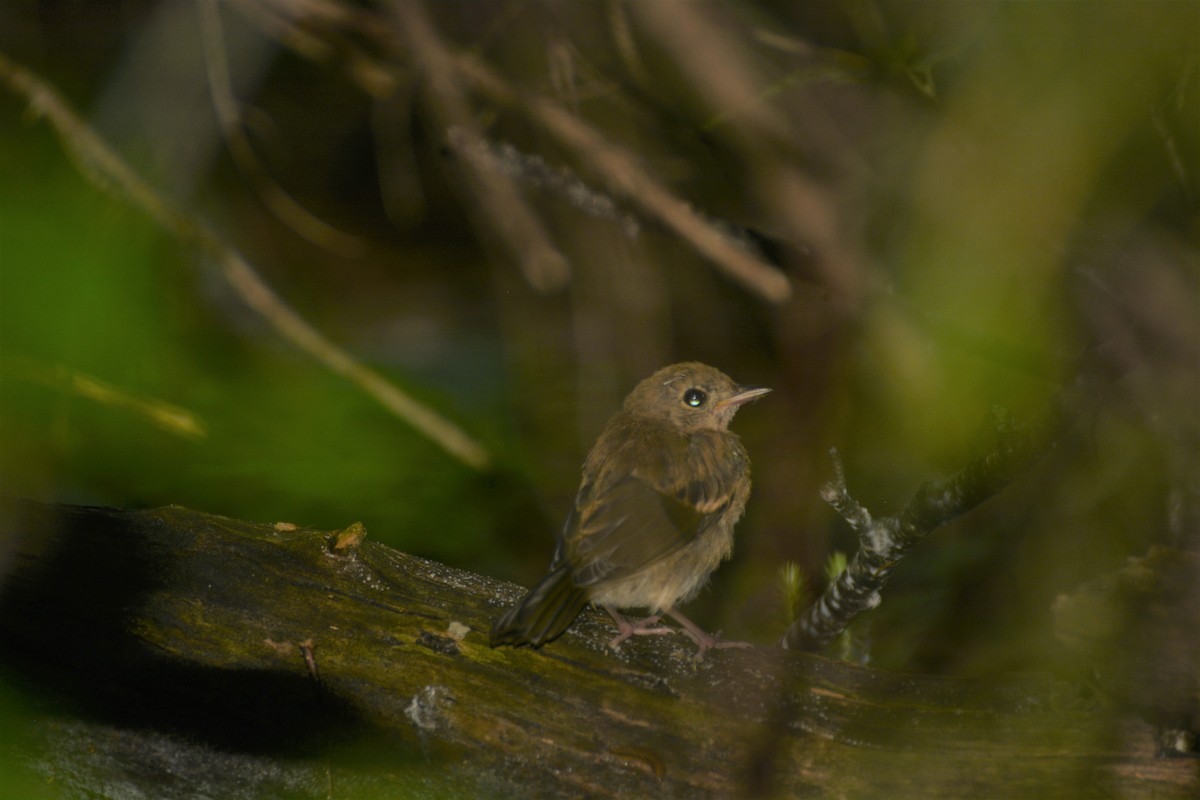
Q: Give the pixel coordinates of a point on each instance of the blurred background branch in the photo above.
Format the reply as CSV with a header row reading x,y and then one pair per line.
x,y
282,204
630,180
498,200
104,168
167,416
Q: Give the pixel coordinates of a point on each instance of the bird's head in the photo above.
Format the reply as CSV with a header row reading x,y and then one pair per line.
x,y
690,396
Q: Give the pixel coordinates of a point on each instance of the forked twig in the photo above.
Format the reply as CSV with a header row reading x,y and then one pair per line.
x,y
885,541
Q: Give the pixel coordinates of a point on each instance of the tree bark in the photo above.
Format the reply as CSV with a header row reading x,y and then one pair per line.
x,y
171,650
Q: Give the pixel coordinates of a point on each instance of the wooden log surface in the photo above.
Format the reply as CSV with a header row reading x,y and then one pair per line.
x,y
172,650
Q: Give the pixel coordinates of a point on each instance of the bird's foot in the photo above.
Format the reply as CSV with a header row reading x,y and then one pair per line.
x,y
647,626
704,641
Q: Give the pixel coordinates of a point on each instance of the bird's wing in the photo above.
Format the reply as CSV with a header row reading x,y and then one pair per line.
x,y
629,522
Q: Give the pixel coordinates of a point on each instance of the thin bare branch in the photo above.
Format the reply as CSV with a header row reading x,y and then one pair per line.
x,y
103,167
285,207
626,177
502,207
533,170
321,30
168,416
725,72
499,200
720,66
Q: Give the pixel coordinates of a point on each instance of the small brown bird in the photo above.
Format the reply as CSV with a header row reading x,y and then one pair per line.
x,y
661,491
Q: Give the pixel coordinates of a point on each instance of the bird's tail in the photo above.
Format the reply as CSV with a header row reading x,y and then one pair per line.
x,y
543,614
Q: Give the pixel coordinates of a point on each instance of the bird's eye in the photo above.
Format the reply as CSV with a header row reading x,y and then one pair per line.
x,y
695,398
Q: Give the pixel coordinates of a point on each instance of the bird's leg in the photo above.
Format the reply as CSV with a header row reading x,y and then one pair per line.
x,y
703,640
640,627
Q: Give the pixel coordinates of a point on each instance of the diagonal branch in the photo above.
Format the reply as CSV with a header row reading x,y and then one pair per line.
x,y
627,178
449,71
285,207
885,541
104,168
500,204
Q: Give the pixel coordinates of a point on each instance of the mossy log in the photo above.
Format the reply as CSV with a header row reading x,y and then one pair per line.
x,y
174,651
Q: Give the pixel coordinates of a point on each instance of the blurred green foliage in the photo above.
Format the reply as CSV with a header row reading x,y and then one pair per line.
x,y
92,288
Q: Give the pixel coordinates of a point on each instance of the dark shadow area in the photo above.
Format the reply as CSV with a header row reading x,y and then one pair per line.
x,y
65,644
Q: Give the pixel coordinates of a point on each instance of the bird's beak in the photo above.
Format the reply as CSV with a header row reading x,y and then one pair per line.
x,y
744,395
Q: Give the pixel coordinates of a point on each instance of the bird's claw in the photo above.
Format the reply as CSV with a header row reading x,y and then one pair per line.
x,y
643,627
706,642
